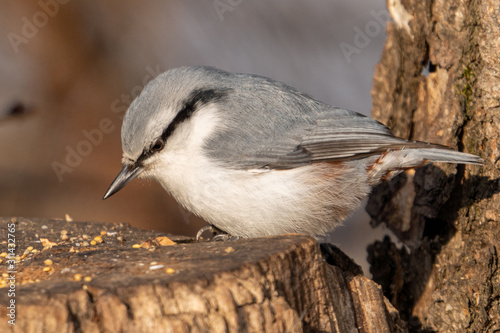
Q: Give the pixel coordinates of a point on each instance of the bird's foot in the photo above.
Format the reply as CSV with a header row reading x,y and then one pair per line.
x,y
224,237
217,234
204,229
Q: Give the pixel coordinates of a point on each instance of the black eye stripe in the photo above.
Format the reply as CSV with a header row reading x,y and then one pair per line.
x,y
195,101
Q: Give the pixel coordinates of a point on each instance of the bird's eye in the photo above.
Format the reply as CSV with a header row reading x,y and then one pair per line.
x,y
157,145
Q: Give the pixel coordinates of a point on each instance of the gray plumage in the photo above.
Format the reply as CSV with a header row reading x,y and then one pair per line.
x,y
283,127
256,157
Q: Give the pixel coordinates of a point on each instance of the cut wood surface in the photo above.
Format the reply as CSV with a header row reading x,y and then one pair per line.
x,y
97,277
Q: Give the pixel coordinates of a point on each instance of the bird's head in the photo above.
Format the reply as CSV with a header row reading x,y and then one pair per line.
x,y
167,121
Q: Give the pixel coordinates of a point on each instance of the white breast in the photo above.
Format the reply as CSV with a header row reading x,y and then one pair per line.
x,y
251,203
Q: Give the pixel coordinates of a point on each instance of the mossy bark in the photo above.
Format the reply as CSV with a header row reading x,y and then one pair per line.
x,y
438,81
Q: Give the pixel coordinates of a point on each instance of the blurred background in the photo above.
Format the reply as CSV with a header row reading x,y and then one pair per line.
x,y
70,68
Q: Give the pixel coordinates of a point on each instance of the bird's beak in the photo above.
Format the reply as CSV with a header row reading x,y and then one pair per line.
x,y
123,178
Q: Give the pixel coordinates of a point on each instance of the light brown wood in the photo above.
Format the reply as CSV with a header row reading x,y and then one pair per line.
x,y
276,284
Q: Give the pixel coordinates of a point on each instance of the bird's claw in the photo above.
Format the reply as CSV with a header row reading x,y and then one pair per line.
x,y
219,235
224,237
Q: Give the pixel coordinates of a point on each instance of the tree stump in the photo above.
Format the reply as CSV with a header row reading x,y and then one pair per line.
x,y
96,277
438,81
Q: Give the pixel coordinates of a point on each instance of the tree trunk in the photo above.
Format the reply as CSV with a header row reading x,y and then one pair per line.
x,y
439,81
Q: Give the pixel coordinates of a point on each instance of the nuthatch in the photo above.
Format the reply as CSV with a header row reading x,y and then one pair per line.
x,y
255,157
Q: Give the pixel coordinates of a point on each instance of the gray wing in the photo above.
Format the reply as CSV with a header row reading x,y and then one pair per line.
x,y
340,137
267,124
330,135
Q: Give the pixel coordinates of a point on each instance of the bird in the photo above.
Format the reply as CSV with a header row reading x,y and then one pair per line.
x,y
255,157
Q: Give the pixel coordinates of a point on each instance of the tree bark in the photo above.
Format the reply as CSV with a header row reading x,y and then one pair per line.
x,y
438,81
89,277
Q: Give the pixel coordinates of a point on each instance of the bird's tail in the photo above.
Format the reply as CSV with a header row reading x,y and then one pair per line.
x,y
392,162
